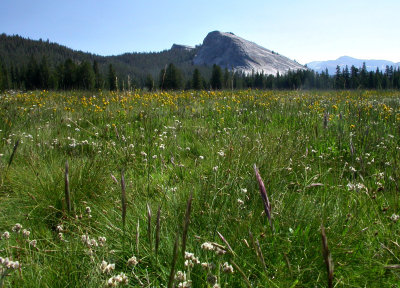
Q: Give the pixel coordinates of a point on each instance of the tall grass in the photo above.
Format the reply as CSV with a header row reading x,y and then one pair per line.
x,y
322,156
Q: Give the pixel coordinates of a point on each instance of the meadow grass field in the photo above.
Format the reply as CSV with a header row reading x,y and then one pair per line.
x,y
138,189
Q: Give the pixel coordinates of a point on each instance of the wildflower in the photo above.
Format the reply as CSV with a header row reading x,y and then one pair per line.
x,y
201,157
352,169
102,241
394,218
59,228
180,276
6,235
33,243
106,268
215,168
154,156
162,146
219,251
60,236
132,261
207,246
185,284
221,153
26,233
93,243
189,263
88,210
244,190
17,227
240,201
227,268
144,154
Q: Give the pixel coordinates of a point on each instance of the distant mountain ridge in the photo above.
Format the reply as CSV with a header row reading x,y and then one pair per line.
x,y
230,51
371,65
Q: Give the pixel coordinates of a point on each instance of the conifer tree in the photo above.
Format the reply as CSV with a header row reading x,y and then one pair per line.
x,y
216,77
197,82
112,78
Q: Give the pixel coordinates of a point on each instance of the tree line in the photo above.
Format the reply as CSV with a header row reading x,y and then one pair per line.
x,y
87,76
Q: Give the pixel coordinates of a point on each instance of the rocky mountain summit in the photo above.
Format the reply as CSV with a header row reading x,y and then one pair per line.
x,y
230,51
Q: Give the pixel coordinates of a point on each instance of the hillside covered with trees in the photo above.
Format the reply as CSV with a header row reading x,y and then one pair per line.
x,y
30,64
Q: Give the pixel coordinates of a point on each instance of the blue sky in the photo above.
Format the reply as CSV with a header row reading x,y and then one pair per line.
x,y
302,30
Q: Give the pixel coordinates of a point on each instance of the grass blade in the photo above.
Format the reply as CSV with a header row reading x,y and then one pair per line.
x,y
67,191
264,196
158,229
123,198
327,257
174,258
137,236
149,226
186,222
13,153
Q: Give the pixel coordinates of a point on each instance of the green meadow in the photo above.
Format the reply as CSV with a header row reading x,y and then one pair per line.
x,y
139,189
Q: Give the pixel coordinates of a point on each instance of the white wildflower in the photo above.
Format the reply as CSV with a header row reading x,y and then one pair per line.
x,y
17,228
132,261
26,233
6,235
227,268
33,243
394,218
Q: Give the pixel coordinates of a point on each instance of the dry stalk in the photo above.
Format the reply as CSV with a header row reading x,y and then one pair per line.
x,y
226,243
13,153
241,273
174,258
327,257
149,226
264,196
186,222
260,255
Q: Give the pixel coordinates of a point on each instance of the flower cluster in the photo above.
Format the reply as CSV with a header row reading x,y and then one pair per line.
x,y
106,268
208,246
118,279
9,264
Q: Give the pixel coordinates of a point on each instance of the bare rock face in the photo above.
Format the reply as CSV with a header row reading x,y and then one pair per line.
x,y
181,47
230,51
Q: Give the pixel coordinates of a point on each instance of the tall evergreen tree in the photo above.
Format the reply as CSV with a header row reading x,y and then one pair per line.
x,y
112,78
44,74
86,77
197,82
216,77
98,79
149,82
69,74
170,78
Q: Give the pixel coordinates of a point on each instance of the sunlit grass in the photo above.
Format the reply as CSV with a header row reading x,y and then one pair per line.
x,y
328,158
